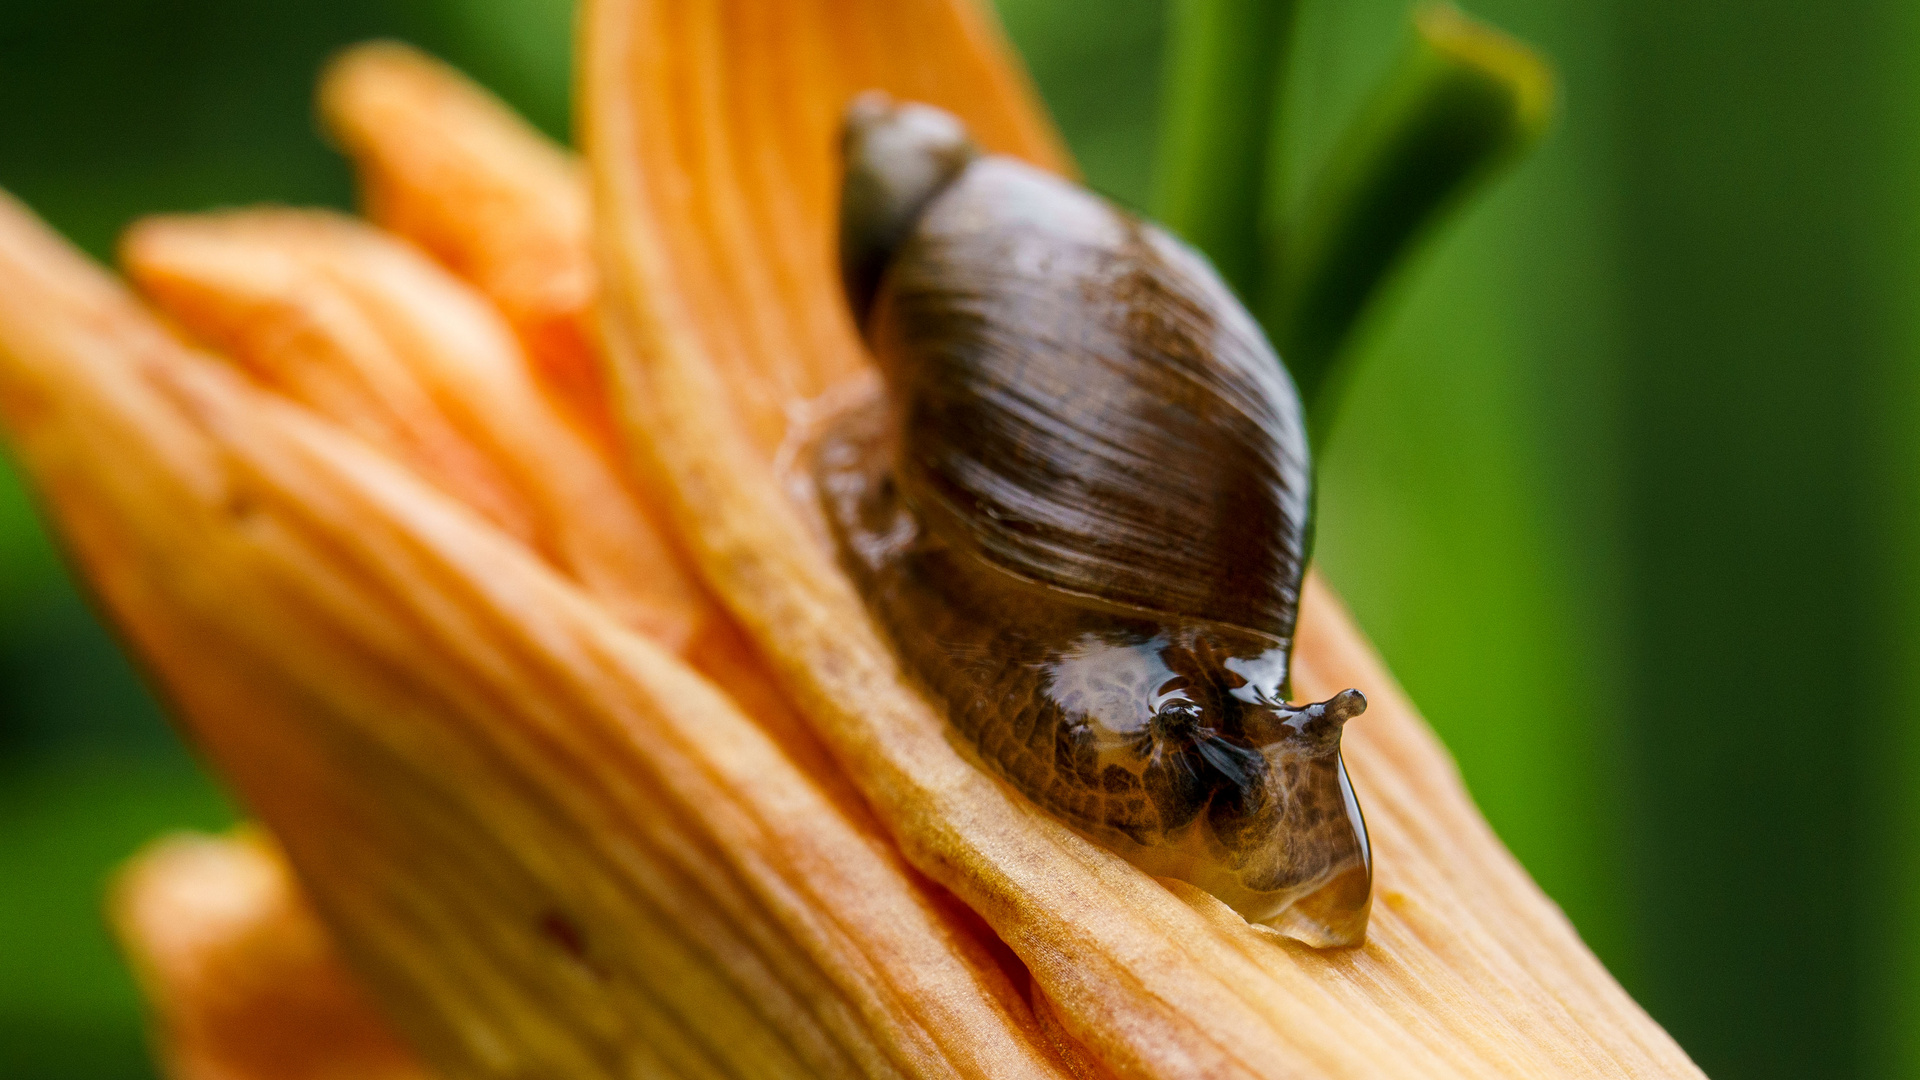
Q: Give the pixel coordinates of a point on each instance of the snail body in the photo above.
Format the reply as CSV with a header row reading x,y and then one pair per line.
x,y
1081,510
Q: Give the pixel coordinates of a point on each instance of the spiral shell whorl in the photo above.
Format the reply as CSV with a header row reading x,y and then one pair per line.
x,y
1090,407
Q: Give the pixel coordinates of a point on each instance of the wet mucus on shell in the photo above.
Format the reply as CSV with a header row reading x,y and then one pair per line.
x,y
1081,509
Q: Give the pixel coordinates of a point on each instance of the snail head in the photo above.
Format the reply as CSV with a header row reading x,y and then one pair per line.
x,y
899,156
1219,681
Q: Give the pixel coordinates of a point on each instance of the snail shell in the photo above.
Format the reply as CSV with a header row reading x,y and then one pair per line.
x,y
1082,512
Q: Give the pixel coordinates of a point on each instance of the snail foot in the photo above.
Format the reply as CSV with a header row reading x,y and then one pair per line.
x,y
1333,916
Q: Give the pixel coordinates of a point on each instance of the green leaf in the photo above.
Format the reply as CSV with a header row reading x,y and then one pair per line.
x,y
1226,65
1464,100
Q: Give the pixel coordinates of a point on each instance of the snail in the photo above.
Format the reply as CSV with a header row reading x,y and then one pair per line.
x,y
1081,510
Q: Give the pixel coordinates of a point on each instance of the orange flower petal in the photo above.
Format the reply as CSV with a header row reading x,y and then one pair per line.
x,y
373,336
446,165
243,978
443,163
744,100
548,847
711,131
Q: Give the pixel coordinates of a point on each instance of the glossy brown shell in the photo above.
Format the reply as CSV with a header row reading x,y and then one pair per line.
x,y
1082,513
1086,403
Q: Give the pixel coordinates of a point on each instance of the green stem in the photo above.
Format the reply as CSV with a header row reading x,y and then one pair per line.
x,y
1464,100
1226,64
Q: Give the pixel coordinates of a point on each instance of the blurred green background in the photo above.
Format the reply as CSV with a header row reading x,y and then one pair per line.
x,y
1625,491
